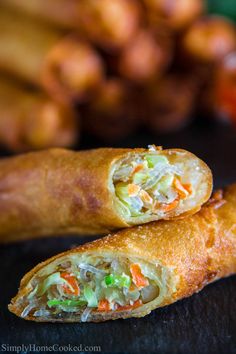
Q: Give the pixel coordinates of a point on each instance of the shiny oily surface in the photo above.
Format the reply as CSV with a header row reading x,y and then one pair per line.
x,y
203,323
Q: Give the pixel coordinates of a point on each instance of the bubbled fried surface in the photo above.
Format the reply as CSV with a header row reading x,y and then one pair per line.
x,y
199,249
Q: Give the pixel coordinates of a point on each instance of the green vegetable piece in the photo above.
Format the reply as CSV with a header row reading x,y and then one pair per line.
x,y
109,279
121,281
90,296
122,190
66,303
153,160
165,183
140,177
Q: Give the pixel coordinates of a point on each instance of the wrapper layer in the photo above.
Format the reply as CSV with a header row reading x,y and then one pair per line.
x,y
58,191
134,271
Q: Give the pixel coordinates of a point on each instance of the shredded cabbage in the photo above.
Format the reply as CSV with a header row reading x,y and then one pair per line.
x,y
52,279
154,175
90,296
109,280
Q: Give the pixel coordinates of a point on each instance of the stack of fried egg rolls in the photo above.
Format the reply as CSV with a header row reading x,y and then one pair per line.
x,y
130,273
60,191
66,67
30,120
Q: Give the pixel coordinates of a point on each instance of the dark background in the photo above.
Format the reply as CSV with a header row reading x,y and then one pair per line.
x,y
203,323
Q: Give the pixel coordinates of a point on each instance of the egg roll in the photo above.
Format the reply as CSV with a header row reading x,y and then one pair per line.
x,y
170,103
146,57
174,14
68,68
223,90
109,24
112,115
29,120
209,40
58,191
134,271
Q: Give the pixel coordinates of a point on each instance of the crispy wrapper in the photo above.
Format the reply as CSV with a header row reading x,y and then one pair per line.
x,y
59,191
66,67
30,120
190,252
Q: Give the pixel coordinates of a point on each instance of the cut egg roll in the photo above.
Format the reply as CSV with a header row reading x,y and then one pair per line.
x,y
68,68
59,191
134,271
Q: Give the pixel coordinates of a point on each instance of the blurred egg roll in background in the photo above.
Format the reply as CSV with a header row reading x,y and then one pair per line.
x,y
30,120
122,66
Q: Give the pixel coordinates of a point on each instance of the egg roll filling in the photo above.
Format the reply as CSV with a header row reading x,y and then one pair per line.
x,y
86,286
156,183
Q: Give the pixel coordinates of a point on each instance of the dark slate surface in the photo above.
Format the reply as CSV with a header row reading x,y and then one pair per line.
x,y
204,323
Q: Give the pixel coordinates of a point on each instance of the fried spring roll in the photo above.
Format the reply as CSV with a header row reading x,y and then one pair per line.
x,y
176,14
144,58
132,272
92,192
170,103
223,92
67,68
112,114
110,24
30,120
209,39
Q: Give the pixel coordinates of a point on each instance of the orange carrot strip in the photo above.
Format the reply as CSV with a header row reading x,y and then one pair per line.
x,y
133,189
104,305
188,188
171,206
183,193
136,304
138,168
138,278
71,279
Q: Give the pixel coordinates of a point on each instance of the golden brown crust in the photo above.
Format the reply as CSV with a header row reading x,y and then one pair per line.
x,y
199,249
59,191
